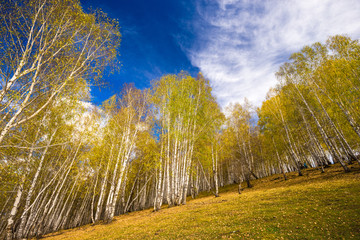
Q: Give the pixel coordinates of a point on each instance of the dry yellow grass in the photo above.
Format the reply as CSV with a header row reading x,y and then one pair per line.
x,y
314,206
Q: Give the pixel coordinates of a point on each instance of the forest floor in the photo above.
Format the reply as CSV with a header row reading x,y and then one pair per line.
x,y
313,206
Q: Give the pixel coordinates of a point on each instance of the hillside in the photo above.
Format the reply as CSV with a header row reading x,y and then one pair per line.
x,y
314,206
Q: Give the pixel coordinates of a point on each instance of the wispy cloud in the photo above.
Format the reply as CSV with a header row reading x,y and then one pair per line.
x,y
241,43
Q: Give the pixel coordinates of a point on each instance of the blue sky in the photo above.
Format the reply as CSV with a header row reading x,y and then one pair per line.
x,y
237,44
153,33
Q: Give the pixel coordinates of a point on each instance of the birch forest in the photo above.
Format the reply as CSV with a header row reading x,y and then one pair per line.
x,y
65,162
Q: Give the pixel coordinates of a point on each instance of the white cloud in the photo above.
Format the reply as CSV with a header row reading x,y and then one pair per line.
x,y
241,43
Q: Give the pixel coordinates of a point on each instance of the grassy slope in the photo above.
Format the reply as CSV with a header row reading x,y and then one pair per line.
x,y
315,206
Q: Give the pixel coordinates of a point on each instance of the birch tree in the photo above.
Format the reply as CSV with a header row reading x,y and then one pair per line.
x,y
48,48
127,119
180,102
